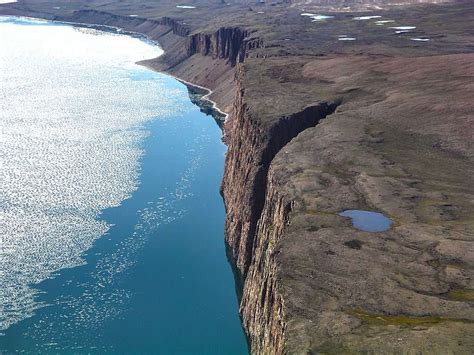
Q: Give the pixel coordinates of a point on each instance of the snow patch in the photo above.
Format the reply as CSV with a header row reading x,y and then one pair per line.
x,y
365,18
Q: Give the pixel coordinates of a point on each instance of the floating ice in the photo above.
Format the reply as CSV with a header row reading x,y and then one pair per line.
x,y
346,39
132,15
316,17
185,7
73,125
420,39
401,31
365,18
7,1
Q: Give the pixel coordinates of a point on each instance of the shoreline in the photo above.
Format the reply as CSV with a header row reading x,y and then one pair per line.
x,y
187,83
190,145
146,38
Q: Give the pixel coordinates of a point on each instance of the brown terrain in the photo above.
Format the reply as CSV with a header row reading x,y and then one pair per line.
x,y
319,125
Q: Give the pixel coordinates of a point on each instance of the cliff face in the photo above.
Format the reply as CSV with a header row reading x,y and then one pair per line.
x,y
230,43
252,146
262,306
256,214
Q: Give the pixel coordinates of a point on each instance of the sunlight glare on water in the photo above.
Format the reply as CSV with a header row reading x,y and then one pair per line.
x,y
72,127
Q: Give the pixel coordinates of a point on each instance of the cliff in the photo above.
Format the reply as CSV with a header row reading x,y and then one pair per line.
x,y
229,43
252,146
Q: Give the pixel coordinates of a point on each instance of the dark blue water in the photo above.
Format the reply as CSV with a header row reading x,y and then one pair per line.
x,y
368,221
159,280
179,296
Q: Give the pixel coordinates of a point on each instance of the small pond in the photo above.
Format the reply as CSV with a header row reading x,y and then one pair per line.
x,y
368,221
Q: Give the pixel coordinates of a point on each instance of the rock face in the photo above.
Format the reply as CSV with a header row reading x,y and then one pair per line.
x,y
252,146
230,43
262,305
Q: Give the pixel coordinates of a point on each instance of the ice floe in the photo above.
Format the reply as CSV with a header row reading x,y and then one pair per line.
x,y
346,39
185,7
420,39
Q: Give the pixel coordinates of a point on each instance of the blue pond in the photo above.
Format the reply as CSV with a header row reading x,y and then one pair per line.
x,y
368,221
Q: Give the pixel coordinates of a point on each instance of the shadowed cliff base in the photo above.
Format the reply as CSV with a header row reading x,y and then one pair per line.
x,y
400,142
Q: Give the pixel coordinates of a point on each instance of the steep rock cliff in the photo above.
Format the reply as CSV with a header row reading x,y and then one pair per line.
x,y
262,306
231,43
252,146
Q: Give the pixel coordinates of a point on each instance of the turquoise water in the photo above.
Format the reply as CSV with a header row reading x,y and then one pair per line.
x,y
114,221
368,221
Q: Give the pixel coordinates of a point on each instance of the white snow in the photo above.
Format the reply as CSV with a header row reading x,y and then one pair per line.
x,y
316,17
383,22
403,28
364,18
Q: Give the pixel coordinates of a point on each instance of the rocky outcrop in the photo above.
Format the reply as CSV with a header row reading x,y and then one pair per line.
x,y
230,43
252,146
262,305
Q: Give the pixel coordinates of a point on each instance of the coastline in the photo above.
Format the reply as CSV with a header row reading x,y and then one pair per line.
x,y
205,97
143,36
153,253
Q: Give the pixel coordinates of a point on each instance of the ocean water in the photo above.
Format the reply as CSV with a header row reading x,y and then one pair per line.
x,y
111,218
